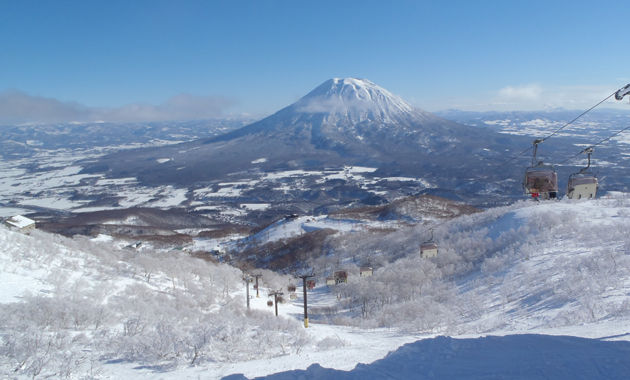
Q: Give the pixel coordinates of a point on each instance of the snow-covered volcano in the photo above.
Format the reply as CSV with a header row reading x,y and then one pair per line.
x,y
348,108
342,122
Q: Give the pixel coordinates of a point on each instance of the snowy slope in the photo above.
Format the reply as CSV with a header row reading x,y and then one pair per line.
x,y
541,289
554,264
72,307
538,290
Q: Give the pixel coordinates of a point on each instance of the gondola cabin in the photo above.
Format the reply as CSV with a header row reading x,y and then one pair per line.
x,y
582,186
292,291
428,249
541,181
310,284
365,271
341,276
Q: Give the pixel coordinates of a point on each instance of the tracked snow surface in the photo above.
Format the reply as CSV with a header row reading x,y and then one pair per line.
x,y
530,290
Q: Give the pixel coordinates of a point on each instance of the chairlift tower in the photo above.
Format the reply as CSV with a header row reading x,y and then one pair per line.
x,y
304,277
247,280
275,295
257,276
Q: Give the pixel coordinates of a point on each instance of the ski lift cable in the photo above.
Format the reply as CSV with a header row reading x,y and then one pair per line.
x,y
619,94
569,123
596,144
579,116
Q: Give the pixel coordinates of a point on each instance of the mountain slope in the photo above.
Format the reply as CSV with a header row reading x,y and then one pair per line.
x,y
552,268
347,105
72,306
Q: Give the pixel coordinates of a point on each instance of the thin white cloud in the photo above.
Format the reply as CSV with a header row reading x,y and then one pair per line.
x,y
333,105
535,96
530,92
18,107
531,97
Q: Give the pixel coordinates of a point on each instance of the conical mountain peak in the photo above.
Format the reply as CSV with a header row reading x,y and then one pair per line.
x,y
342,122
341,109
356,99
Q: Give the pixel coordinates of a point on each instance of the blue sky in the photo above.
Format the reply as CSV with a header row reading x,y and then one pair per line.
x,y
255,57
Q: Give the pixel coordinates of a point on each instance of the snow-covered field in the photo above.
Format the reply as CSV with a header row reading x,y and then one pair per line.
x,y
530,290
52,180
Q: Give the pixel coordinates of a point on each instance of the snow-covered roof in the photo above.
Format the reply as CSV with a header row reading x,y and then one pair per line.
x,y
20,221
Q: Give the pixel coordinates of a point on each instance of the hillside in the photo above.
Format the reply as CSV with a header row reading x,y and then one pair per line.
x,y
71,307
543,269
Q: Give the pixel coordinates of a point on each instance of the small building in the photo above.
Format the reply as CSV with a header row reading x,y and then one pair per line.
x,y
330,281
428,249
20,223
341,276
365,271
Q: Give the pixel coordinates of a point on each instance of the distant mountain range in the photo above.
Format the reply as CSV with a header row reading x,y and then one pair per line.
x,y
22,141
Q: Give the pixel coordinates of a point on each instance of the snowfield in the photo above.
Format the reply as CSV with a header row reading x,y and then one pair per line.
x,y
530,290
51,181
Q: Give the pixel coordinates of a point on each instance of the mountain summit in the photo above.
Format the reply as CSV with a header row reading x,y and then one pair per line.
x,y
357,100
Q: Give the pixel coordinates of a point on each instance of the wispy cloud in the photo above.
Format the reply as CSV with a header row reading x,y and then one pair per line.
x,y
534,96
333,105
530,92
19,107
